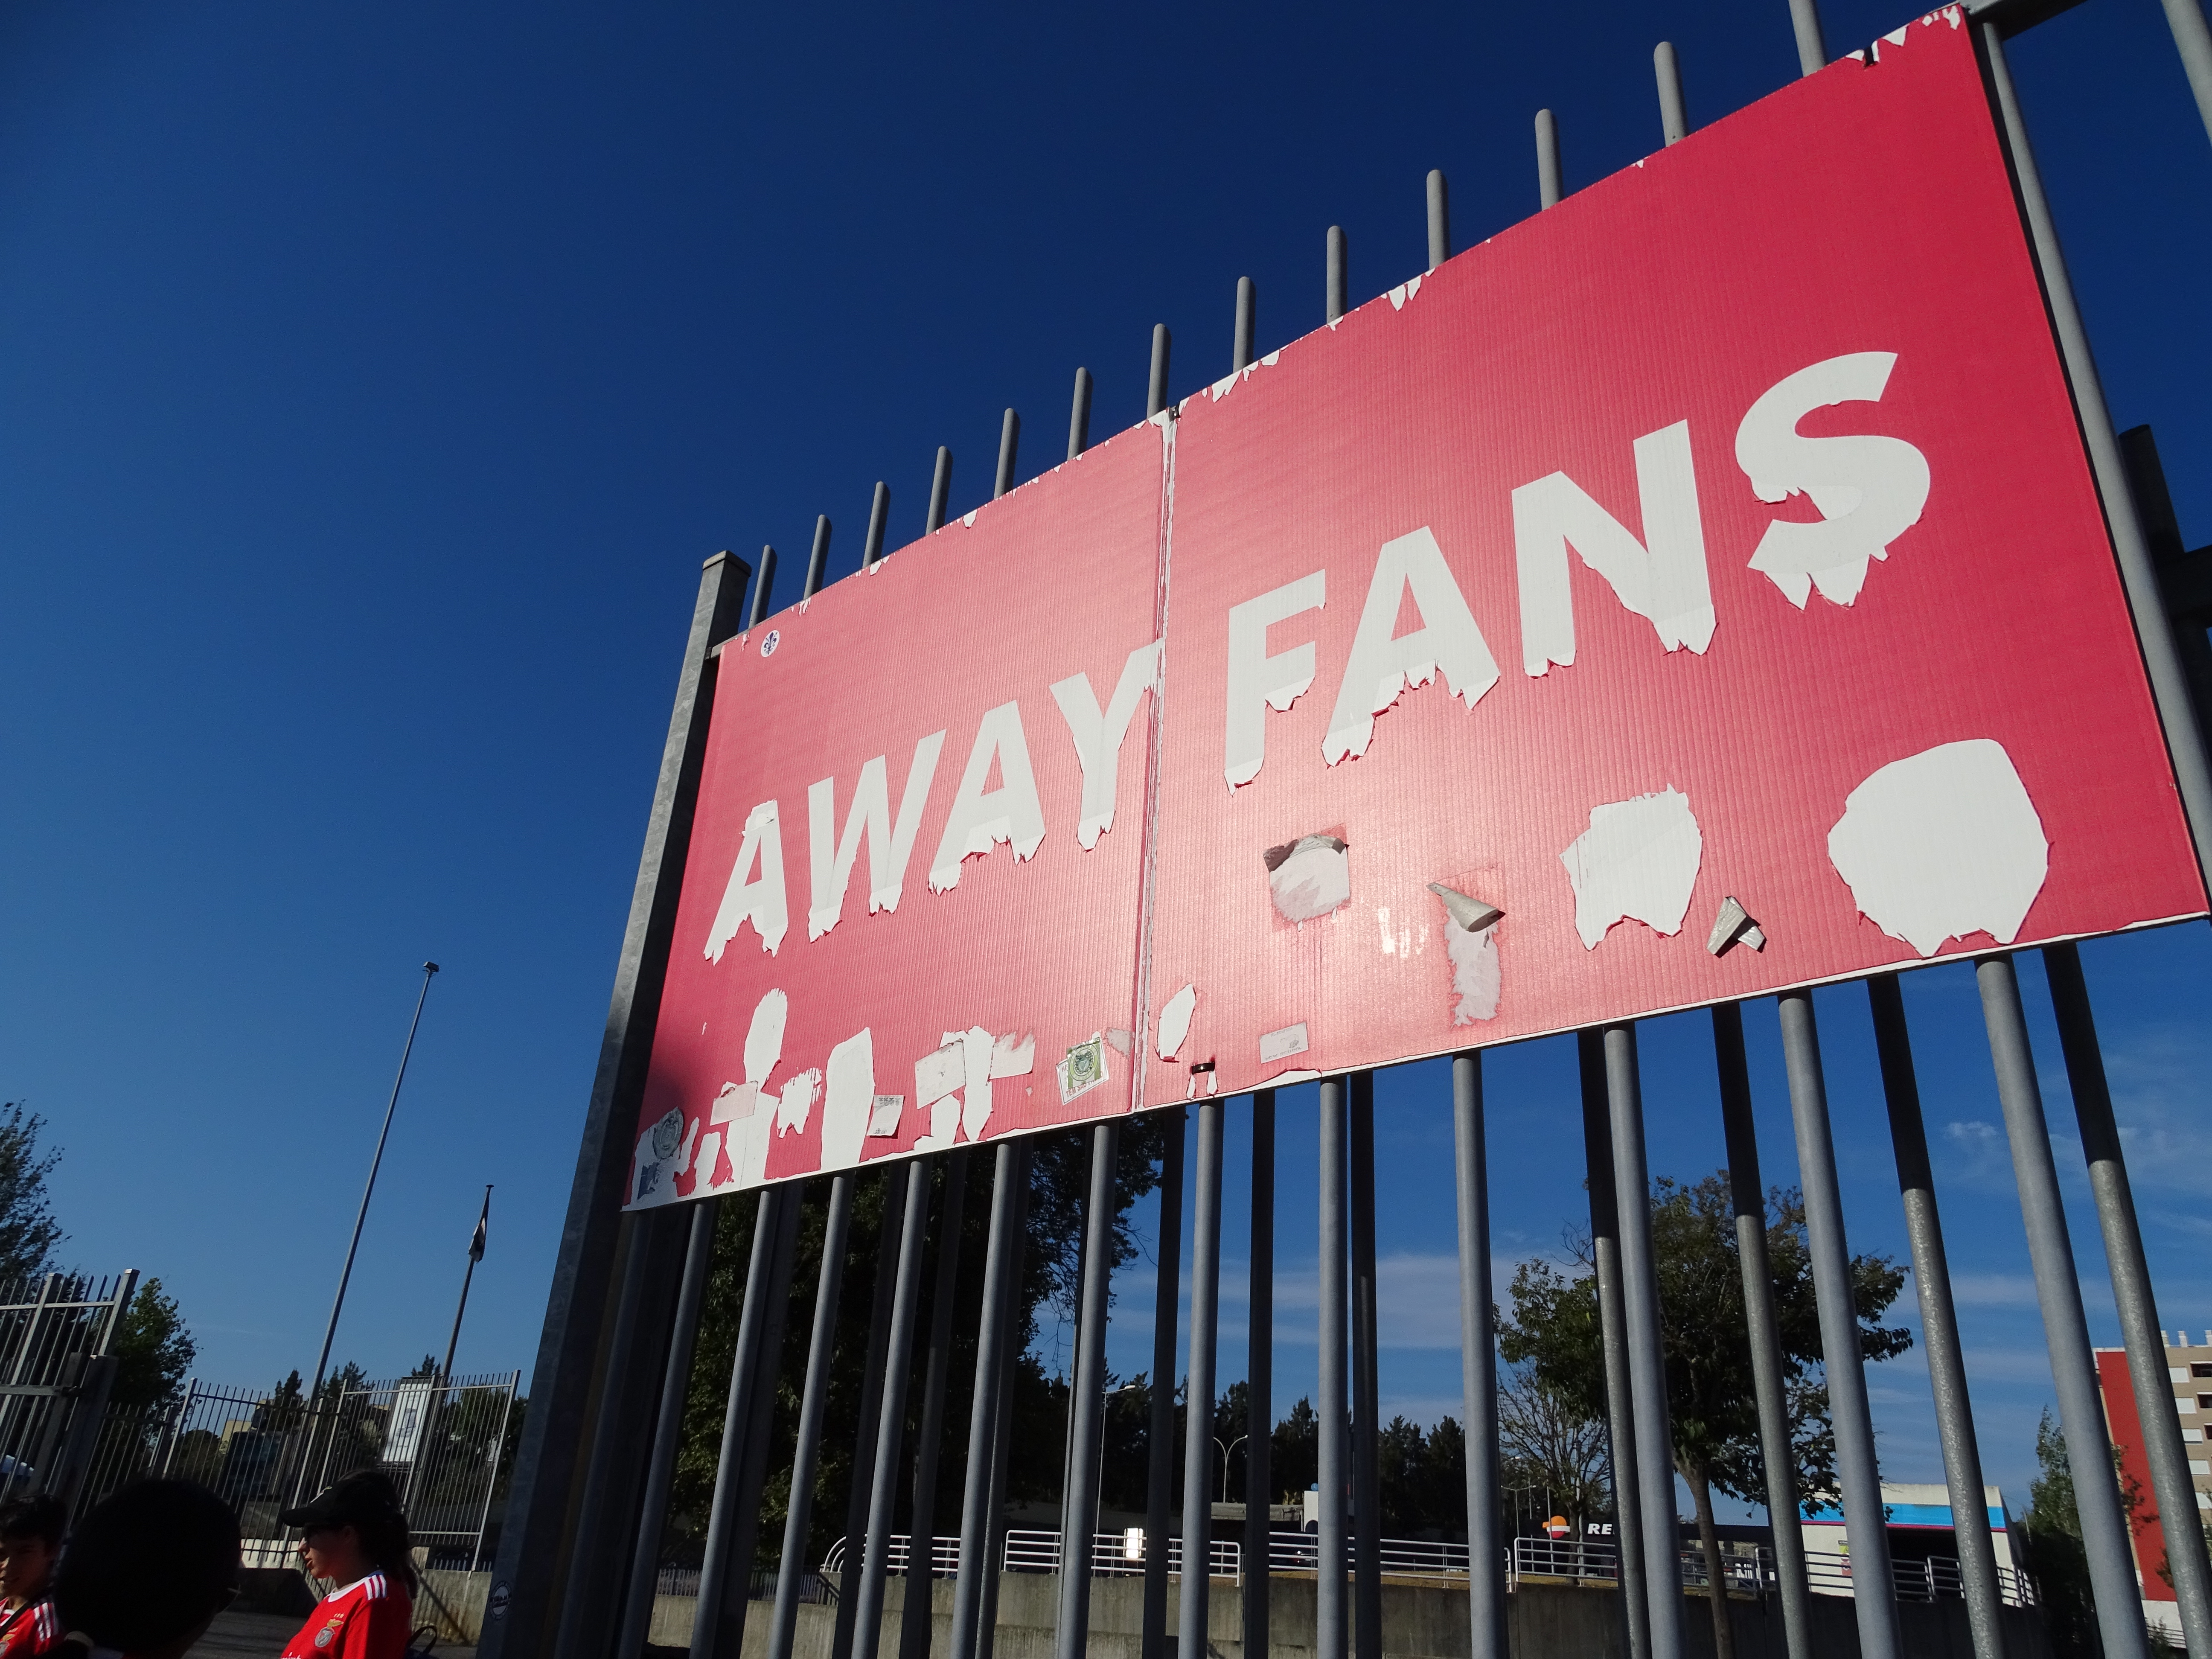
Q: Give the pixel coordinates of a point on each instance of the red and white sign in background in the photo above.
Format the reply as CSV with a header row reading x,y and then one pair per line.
x,y
1695,591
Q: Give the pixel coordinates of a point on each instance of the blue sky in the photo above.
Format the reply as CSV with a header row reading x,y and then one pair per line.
x,y
377,379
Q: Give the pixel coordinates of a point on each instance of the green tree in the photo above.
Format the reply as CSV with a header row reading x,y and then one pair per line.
x,y
2053,1552
153,1349
1712,1405
1548,1437
28,1232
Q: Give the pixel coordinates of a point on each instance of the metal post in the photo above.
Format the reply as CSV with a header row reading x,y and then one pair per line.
x,y
1079,1511
468,1273
1547,159
745,1534
1156,383
940,489
1330,1629
879,513
1259,1380
2169,680
1198,1433
2131,1290
921,1531
1440,219
1001,1443
736,1421
667,1432
533,1551
1612,1326
890,1418
1812,45
1747,1191
1939,1321
1647,1343
1874,1593
1673,115
1247,323
763,588
993,1332
2192,39
871,1402
807,1455
1159,1473
1010,439
1366,1477
817,558
1078,415
1478,1357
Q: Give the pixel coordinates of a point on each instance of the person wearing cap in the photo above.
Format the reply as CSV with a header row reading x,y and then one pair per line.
x,y
355,1535
30,1538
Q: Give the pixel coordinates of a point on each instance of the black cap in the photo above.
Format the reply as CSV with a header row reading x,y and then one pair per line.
x,y
355,1501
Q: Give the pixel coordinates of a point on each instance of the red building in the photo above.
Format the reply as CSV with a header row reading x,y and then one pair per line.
x,y
2188,1368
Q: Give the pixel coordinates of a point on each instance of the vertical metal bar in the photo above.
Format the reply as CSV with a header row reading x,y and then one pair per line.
x,y
807,1455
1673,114
1478,1359
1000,1443
1078,415
1547,159
1079,1513
1613,1325
763,588
1747,1191
737,1424
940,490
668,1433
1330,1626
890,1418
1366,1476
2131,1290
992,1339
1337,299
2192,39
879,514
1939,1323
1647,1343
1247,323
1874,1594
871,1404
745,1534
1440,219
1812,44
1198,1439
1160,1450
1259,1380
921,1531
1156,383
817,557
1010,442
499,1445
2169,680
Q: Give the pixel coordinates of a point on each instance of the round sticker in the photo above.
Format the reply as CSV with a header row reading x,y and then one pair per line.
x,y
768,644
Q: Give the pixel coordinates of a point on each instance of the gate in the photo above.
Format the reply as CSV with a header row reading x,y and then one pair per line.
x,y
55,1336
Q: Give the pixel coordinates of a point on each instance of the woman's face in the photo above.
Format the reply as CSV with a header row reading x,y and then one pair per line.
x,y
25,1563
334,1553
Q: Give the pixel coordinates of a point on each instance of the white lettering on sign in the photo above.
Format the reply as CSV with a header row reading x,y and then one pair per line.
x,y
1380,667
1258,682
982,818
870,814
1098,735
758,899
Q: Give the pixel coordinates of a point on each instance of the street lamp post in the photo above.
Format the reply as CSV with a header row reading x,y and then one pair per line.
x,y
1228,1451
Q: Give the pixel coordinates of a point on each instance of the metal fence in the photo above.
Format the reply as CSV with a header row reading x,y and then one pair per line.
x,y
1751,1571
56,1331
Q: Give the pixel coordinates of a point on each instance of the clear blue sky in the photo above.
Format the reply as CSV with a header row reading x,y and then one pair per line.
x,y
376,380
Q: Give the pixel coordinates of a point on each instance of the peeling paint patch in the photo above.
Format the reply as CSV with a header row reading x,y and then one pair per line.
x,y
939,1074
1282,1044
1470,946
847,1095
1012,1057
1285,1079
1309,877
764,1037
1734,927
1405,291
1638,860
796,1103
977,1045
1174,1021
1120,1039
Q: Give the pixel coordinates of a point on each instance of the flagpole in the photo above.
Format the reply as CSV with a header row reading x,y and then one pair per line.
x,y
476,1255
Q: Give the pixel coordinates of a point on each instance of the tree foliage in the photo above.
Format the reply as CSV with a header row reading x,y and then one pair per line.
x,y
2053,1552
154,1350
28,1232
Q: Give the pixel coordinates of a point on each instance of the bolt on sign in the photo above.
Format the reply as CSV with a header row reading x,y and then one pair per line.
x,y
1696,590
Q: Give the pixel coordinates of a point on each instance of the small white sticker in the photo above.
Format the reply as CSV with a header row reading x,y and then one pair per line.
x,y
768,644
1281,1045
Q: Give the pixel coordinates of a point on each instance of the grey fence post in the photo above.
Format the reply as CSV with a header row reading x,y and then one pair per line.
x,y
1478,1360
1812,44
1000,1442
1547,159
1440,219
1159,1474
1337,299
1079,1512
1747,1196
1673,114
1156,383
1010,439
1247,323
807,1455
1191,1607
1078,415
871,1404
752,1472
1612,1324
1329,1624
1366,1476
941,491
533,1553
1259,1380
2193,40
879,514
1873,1591
992,1337
1647,1343
817,557
890,1418
921,1532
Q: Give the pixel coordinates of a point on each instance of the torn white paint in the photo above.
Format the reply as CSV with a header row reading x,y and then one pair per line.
x,y
764,1036
944,1121
982,818
1281,1045
976,1046
1083,1068
748,1143
1311,878
1638,860
1098,734
735,1101
1380,667
1405,291
939,1074
1869,490
1468,912
796,1103
1734,927
883,1121
1012,1057
1120,1039
1661,578
832,856
968,518
1476,976
760,898
1175,1020
848,1088
1943,844
1258,682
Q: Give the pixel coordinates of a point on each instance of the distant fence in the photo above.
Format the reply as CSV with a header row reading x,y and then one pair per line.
x,y
56,1370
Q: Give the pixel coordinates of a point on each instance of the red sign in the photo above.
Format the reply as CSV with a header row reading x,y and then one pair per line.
x,y
1695,591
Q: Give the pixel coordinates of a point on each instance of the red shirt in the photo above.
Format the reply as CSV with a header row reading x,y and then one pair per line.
x,y
369,1618
29,1630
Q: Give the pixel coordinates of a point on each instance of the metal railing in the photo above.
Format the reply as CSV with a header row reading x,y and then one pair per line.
x,y
55,1372
1751,1571
1037,1550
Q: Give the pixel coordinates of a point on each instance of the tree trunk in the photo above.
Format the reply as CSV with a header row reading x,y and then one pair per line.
x,y
1701,1498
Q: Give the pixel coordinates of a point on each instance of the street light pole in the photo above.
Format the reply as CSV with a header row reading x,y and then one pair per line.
x,y
1227,1452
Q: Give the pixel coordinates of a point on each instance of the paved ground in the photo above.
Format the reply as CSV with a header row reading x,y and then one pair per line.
x,y
238,1635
